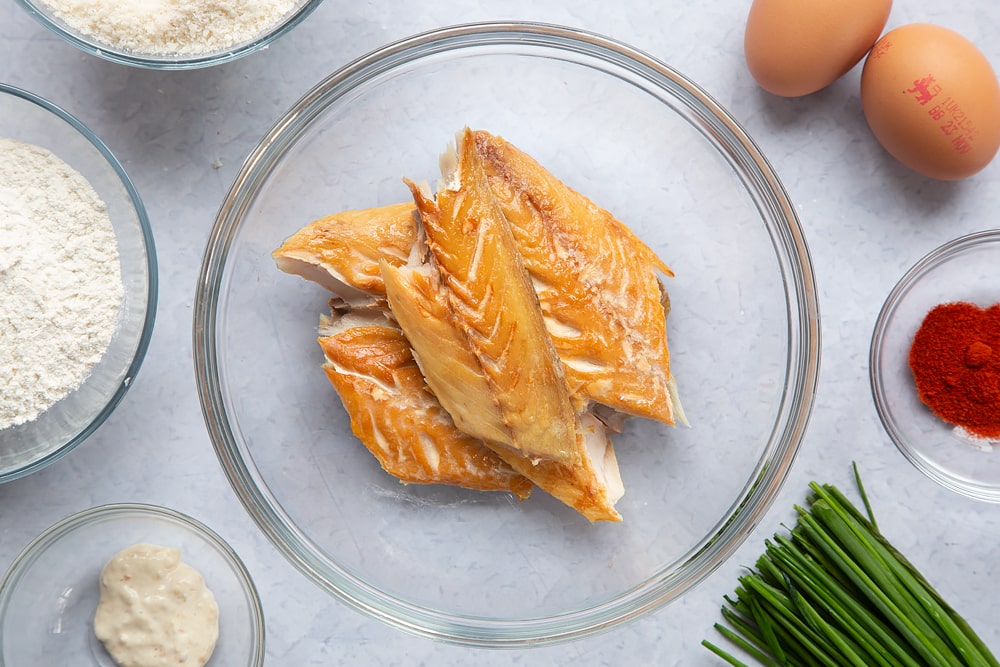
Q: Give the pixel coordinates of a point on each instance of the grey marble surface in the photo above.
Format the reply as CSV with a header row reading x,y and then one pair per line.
x,y
183,135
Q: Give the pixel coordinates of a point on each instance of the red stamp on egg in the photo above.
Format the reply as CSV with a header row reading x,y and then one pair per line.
x,y
951,119
924,90
880,48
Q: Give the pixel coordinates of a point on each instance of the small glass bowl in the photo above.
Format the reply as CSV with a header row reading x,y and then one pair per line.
x,y
481,569
28,447
50,593
88,43
966,269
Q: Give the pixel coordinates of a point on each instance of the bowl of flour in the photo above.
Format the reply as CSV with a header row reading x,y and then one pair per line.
x,y
170,34
77,282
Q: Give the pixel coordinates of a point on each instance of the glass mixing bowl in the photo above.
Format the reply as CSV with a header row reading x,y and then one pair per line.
x,y
31,446
965,269
639,139
50,592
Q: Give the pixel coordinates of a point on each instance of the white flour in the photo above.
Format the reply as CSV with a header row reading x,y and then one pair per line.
x,y
172,27
60,281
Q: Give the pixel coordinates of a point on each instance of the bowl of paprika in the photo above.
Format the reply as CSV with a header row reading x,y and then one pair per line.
x,y
935,365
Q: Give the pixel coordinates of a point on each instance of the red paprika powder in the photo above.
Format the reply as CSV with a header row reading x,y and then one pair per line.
x,y
955,359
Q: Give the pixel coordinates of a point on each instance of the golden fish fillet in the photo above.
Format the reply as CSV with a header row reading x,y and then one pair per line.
x,y
419,303
601,300
491,301
341,252
369,362
591,487
450,290
596,282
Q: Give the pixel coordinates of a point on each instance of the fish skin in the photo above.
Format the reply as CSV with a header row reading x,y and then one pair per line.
x,y
591,487
492,301
419,304
342,251
369,363
596,281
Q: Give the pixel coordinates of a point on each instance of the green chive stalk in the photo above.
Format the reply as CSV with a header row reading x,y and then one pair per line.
x,y
835,593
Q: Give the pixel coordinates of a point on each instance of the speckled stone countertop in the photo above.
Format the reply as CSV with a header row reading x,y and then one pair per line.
x,y
182,137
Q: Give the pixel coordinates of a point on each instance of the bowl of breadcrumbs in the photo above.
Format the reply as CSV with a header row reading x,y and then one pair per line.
x,y
170,34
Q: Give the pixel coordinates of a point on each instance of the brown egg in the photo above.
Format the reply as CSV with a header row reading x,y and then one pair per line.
x,y
796,47
932,100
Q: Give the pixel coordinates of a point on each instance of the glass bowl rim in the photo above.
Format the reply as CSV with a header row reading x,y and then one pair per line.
x,y
50,535
142,344
802,362
900,290
166,62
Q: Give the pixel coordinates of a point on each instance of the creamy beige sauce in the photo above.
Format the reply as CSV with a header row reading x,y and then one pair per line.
x,y
155,610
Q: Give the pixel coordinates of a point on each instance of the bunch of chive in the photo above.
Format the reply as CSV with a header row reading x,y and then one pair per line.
x,y
835,592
